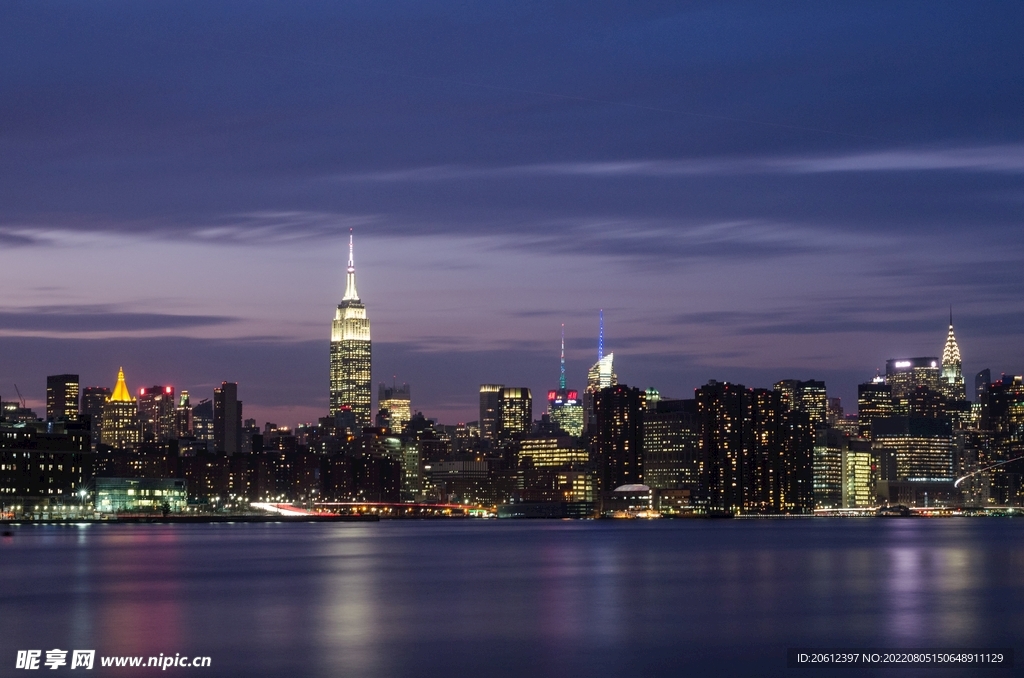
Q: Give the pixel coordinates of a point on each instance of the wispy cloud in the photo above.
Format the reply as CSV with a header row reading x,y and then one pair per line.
x,y
97,318
1002,158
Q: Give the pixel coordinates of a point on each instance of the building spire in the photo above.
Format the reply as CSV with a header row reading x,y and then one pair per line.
x,y
561,377
350,281
600,338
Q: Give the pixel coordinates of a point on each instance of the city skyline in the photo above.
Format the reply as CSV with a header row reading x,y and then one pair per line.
x,y
179,186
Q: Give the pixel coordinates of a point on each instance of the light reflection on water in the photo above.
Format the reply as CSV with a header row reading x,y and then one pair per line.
x,y
453,598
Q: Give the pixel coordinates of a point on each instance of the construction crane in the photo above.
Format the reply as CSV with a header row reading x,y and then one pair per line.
x,y
19,397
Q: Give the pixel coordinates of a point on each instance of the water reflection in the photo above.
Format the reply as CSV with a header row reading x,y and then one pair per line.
x,y
512,599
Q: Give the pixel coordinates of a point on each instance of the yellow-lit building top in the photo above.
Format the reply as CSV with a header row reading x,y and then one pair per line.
x,y
121,393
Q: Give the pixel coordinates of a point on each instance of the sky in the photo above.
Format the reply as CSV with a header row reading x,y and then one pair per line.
x,y
751,192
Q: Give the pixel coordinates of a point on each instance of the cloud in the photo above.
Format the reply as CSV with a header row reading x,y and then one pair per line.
x,y
1003,159
97,318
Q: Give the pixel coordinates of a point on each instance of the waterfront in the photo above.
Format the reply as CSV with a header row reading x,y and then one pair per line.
x,y
514,598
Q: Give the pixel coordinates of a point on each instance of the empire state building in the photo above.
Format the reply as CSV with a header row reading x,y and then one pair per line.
x,y
350,352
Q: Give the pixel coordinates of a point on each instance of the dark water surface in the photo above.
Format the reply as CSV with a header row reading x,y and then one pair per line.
x,y
513,598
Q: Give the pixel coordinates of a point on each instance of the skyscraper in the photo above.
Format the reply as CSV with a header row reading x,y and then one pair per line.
x,y
564,406
62,397
600,376
227,418
350,352
906,374
490,410
619,436
515,412
156,409
952,369
805,396
397,401
981,381
93,399
121,428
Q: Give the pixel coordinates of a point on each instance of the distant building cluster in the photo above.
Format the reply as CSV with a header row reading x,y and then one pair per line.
x,y
610,449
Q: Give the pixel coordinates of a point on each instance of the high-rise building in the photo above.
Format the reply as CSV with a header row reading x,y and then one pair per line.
x,y
672,445
183,417
397,402
62,397
515,410
564,406
619,436
350,352
724,411
981,381
829,447
1003,418
202,421
923,447
156,410
952,368
490,410
805,396
120,428
93,398
600,375
906,374
227,418
874,401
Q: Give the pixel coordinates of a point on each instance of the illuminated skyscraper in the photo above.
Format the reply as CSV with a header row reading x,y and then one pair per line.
x,y
490,410
183,417
564,406
397,402
350,352
121,428
619,437
93,400
62,397
156,410
906,374
952,369
515,412
600,376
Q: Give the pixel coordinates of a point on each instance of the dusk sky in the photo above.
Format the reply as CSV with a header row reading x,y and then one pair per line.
x,y
751,192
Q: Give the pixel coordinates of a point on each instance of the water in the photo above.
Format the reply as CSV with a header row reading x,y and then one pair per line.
x,y
513,598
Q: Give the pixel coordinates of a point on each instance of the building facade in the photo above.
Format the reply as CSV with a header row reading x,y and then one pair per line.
x,y
62,397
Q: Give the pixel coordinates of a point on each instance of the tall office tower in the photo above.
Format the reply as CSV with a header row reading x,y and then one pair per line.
x,y
829,447
183,417
202,421
981,381
1003,417
797,465
906,374
397,401
564,406
227,418
874,401
952,369
93,398
350,352
619,436
156,410
805,396
120,428
724,410
515,412
600,375
490,410
672,445
858,481
62,397
835,411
